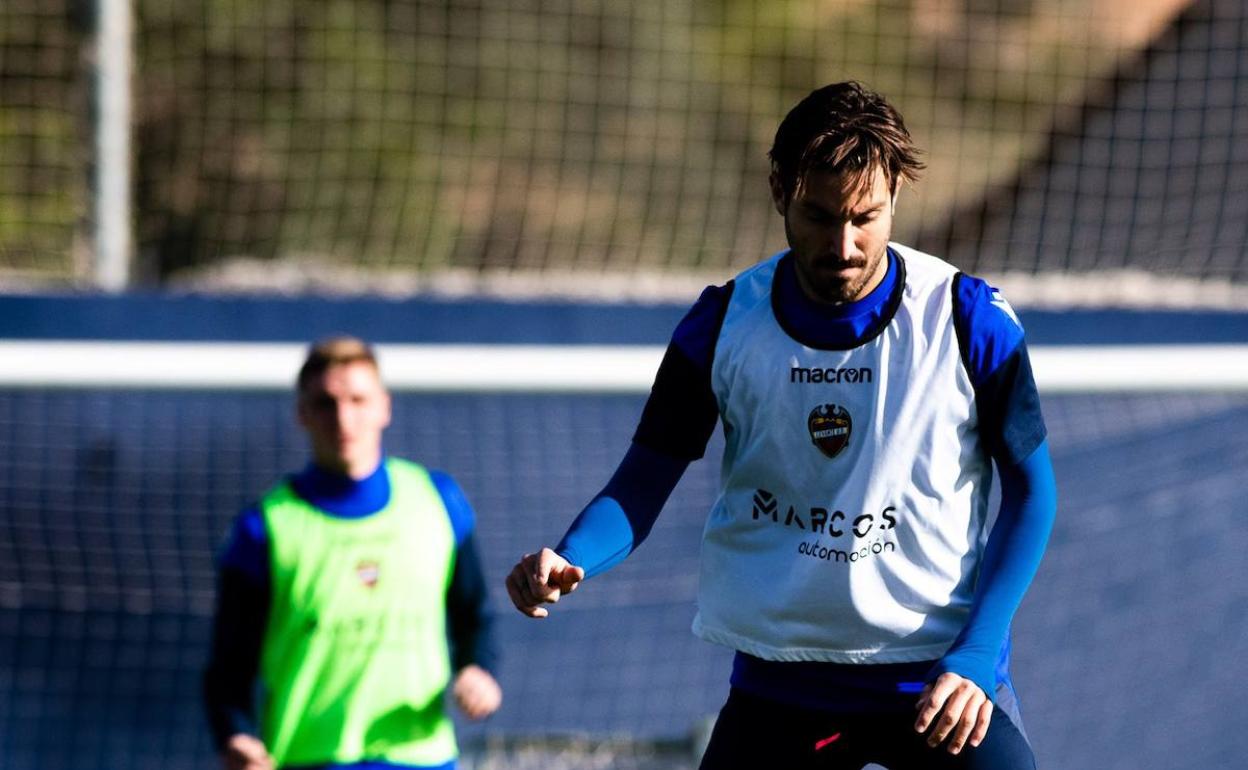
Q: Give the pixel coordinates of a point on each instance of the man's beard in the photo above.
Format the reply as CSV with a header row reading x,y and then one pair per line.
x,y
834,291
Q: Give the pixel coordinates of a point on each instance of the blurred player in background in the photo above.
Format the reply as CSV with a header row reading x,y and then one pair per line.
x,y
337,595
851,558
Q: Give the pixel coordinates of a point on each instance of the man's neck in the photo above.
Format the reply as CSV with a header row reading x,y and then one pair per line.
x,y
357,470
340,494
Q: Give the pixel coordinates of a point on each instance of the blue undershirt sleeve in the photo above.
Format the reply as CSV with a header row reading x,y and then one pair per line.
x,y
1011,557
681,413
621,516
470,624
1012,429
994,353
243,589
678,420
463,519
246,548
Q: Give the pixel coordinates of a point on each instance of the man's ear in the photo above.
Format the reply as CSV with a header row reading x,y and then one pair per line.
x,y
779,197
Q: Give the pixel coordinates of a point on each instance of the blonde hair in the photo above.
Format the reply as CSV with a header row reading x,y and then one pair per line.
x,y
334,351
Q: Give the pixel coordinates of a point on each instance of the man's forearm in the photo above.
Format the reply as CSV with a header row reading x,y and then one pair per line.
x,y
1011,557
234,659
469,619
621,516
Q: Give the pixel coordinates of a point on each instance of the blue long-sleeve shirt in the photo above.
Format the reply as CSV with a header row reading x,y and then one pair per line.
x,y
680,417
244,593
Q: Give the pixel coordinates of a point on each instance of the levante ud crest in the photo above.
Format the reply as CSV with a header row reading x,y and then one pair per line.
x,y
830,428
368,572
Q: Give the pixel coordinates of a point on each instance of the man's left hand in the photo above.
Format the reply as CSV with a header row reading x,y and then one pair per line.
x,y
476,692
955,709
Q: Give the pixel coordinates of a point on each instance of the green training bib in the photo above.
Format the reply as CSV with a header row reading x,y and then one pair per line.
x,y
355,662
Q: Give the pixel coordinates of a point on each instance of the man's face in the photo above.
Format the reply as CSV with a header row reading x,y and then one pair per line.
x,y
839,237
344,412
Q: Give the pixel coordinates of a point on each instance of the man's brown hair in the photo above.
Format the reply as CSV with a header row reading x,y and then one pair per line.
x,y
334,351
848,129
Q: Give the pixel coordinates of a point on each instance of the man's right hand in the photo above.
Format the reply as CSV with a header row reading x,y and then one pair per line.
x,y
245,752
541,578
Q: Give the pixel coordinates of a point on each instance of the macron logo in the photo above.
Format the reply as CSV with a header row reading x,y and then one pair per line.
x,y
817,374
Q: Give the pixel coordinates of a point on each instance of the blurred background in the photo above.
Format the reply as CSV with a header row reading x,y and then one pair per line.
x,y
484,174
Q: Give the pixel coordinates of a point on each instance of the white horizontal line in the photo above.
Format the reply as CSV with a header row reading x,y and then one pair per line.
x,y
270,366
544,368
1084,368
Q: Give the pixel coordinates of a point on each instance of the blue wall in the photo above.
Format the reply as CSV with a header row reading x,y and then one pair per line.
x,y
420,320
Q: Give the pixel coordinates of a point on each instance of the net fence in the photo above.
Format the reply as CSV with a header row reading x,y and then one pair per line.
x,y
43,139
403,145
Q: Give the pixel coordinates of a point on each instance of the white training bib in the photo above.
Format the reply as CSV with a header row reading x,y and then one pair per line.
x,y
853,505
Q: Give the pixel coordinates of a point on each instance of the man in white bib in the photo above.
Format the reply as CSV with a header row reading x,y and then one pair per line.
x,y
865,390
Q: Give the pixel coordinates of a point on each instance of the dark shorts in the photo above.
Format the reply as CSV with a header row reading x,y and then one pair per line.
x,y
754,732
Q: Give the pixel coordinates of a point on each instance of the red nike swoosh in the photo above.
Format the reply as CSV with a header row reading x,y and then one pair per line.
x,y
826,741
